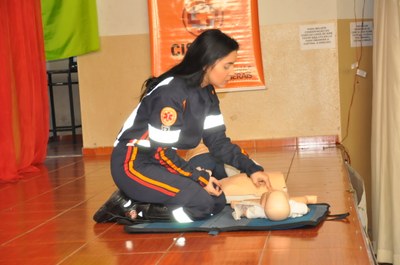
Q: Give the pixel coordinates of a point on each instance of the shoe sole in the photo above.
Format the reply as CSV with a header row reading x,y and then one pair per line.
x,y
104,216
106,212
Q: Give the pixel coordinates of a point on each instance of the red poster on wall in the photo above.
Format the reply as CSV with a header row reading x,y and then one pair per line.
x,y
175,23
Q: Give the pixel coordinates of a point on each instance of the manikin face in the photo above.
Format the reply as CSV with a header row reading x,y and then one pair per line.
x,y
221,72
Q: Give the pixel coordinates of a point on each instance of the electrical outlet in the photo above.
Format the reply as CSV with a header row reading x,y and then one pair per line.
x,y
361,73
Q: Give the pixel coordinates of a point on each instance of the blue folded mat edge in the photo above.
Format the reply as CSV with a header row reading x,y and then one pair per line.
x,y
224,222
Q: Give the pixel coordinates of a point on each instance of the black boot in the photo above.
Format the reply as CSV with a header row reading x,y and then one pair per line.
x,y
114,208
119,208
150,212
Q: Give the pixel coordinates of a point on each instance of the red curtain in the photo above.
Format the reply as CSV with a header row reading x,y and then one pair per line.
x,y
24,117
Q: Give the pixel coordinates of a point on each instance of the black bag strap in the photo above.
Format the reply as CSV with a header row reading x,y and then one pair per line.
x,y
336,217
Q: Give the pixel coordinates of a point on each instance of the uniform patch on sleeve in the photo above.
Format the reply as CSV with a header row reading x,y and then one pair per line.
x,y
168,116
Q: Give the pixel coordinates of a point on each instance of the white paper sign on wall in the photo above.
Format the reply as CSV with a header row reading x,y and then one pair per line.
x,y
361,34
317,36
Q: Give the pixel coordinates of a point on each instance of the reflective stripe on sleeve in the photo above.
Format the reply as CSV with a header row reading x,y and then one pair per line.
x,y
213,121
167,137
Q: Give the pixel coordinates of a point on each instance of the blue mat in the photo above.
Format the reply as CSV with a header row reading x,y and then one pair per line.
x,y
224,222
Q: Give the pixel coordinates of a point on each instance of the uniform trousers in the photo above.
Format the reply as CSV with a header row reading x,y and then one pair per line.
x,y
144,178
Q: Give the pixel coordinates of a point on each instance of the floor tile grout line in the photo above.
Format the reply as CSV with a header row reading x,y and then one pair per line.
x,y
291,164
48,191
168,249
72,253
38,175
85,244
63,156
41,194
268,236
45,222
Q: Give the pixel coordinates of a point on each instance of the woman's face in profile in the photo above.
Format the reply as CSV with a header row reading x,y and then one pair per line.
x,y
221,72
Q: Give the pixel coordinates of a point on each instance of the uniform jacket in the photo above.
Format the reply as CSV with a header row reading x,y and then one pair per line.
x,y
176,116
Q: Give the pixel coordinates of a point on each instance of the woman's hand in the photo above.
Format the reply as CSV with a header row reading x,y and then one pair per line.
x,y
213,187
261,178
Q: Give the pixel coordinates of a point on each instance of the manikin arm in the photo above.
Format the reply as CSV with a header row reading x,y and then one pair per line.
x,y
239,187
274,205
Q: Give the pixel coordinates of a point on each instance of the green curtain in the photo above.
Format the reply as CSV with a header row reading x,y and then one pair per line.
x,y
70,28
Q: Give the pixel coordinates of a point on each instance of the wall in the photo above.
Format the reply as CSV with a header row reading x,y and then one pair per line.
x,y
308,91
358,129
302,96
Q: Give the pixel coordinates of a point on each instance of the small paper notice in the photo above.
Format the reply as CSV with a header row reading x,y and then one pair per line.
x,y
361,34
317,36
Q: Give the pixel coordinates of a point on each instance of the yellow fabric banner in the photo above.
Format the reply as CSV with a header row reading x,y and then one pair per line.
x,y
175,23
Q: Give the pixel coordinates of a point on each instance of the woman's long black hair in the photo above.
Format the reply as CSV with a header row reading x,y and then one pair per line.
x,y
210,46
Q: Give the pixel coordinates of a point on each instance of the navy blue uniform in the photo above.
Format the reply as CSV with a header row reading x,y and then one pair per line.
x,y
145,164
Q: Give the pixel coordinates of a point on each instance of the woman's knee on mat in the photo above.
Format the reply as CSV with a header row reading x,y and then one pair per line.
x,y
200,208
219,203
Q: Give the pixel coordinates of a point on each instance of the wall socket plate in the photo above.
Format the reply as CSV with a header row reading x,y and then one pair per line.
x,y
361,73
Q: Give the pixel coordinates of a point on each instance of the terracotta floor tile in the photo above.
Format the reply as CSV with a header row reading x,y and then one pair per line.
x,y
213,243
111,259
46,217
216,257
326,256
48,252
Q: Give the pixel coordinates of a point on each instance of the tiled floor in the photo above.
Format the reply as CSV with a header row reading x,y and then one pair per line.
x,y
46,218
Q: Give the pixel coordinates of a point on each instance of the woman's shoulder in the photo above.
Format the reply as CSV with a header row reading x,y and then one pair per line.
x,y
173,85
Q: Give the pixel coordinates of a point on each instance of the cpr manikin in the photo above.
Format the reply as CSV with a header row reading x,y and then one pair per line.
x,y
250,201
245,198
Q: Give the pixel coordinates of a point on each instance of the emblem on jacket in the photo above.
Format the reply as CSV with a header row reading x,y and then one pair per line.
x,y
168,116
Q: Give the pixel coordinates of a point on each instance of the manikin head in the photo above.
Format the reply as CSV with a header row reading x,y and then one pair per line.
x,y
276,205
